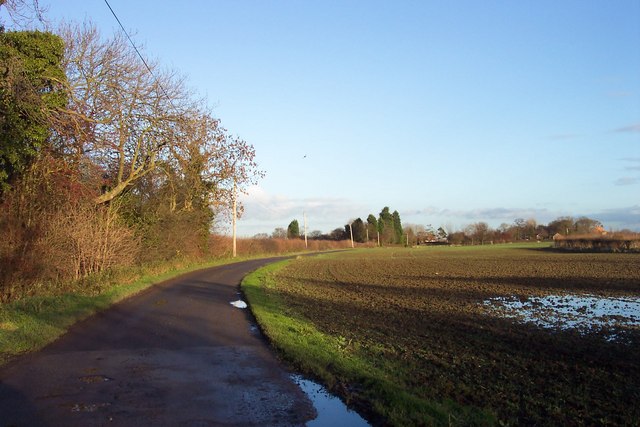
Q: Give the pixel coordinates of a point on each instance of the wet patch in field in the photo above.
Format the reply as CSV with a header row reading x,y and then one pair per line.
x,y
331,411
585,313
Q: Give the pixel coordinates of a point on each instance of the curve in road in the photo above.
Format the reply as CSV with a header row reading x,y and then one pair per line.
x,y
177,354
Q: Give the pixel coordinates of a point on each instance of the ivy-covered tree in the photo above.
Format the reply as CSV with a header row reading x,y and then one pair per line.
x,y
31,89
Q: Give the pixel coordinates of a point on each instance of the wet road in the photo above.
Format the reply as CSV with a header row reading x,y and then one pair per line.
x,y
178,354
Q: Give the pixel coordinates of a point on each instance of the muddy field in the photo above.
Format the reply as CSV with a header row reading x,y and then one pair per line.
x,y
428,315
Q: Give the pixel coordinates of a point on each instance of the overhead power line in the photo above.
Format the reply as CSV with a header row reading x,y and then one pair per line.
x,y
138,52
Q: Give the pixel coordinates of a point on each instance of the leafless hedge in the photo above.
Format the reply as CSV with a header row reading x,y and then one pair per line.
x,y
613,243
85,240
221,246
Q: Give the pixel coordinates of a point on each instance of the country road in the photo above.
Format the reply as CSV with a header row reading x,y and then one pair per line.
x,y
177,354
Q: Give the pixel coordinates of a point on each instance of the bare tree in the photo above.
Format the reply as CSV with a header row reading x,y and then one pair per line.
x,y
131,120
214,164
279,233
122,115
479,231
23,13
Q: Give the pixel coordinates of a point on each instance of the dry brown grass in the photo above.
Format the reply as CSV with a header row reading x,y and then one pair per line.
x,y
614,242
220,246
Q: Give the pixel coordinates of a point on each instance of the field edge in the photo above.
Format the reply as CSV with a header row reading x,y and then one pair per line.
x,y
328,359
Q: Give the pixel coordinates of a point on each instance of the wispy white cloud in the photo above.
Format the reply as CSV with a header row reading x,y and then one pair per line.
x,y
263,212
616,218
627,180
619,218
486,214
628,129
635,163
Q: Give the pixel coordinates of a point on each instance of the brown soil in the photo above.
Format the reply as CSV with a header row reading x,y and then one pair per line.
x,y
420,312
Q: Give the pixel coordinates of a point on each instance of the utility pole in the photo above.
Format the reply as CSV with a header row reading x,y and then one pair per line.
x,y
235,196
378,238
351,232
304,218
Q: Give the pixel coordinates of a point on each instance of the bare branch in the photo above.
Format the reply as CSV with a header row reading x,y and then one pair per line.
x,y
24,13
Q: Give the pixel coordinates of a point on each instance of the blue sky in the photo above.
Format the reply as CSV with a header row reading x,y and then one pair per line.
x,y
449,112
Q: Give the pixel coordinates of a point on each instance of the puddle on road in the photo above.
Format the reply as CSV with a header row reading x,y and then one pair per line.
x,y
584,313
253,329
331,411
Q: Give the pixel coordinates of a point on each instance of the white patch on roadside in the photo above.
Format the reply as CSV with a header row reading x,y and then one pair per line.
x,y
239,304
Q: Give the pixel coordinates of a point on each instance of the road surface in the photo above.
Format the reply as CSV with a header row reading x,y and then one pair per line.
x,y
178,354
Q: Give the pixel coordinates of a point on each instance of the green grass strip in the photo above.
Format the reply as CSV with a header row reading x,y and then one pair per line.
x,y
341,367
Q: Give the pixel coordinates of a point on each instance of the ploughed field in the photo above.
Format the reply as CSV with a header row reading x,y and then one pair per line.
x,y
431,319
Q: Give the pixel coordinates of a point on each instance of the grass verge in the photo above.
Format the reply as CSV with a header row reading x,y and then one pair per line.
x,y
366,384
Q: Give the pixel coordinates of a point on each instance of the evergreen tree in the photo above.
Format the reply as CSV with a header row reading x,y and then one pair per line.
x,y
293,231
372,226
397,227
385,219
385,226
359,230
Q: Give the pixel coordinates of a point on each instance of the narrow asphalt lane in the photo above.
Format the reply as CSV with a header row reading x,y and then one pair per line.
x,y
178,354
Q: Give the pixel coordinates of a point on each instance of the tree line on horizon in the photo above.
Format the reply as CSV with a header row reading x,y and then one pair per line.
x,y
106,161
519,230
391,231
387,226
